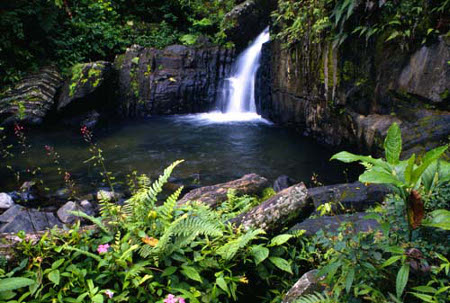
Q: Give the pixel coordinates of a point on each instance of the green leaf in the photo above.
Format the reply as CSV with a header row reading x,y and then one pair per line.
x,y
428,289
428,159
409,168
379,177
191,273
402,279
347,157
439,218
281,264
98,298
393,144
280,240
169,271
259,253
423,297
14,283
391,260
7,295
58,263
349,279
222,284
54,276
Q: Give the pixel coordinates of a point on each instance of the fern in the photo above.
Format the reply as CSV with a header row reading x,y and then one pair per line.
x,y
165,211
138,207
181,232
229,250
316,298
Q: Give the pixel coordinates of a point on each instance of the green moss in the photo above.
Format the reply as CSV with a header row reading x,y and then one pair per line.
x,y
77,75
445,94
135,60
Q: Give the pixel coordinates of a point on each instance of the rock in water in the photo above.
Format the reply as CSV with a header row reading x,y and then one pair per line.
x,y
64,212
5,201
279,211
307,284
213,195
31,99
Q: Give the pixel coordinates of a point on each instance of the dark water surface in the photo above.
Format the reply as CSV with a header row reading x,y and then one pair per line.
x,y
213,152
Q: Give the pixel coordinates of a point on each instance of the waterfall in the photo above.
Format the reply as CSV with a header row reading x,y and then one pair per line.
x,y
241,97
238,94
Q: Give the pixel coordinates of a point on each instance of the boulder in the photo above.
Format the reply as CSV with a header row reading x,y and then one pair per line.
x,y
64,214
289,205
351,196
330,224
84,85
283,182
308,284
175,80
213,195
19,218
29,101
5,201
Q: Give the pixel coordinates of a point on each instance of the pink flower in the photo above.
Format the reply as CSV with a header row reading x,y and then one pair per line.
x,y
109,292
103,248
172,299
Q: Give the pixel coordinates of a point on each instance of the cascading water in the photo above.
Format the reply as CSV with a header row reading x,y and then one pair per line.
x,y
242,82
238,101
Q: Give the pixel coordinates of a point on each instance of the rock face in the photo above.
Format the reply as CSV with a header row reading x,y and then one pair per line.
x,y
250,184
29,220
175,80
427,73
278,211
352,94
332,223
31,99
307,284
246,20
352,196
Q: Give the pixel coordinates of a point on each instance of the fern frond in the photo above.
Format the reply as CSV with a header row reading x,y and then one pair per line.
x,y
97,221
229,250
315,298
137,207
181,232
165,211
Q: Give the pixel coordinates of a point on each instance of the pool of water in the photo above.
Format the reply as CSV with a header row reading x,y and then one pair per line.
x,y
215,149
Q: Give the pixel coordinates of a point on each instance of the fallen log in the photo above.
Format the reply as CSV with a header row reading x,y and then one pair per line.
x,y
289,205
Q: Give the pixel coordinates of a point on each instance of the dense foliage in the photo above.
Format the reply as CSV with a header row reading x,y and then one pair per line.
x,y
404,23
65,32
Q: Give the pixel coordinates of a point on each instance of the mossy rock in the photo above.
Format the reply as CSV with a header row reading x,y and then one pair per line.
x,y
85,79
